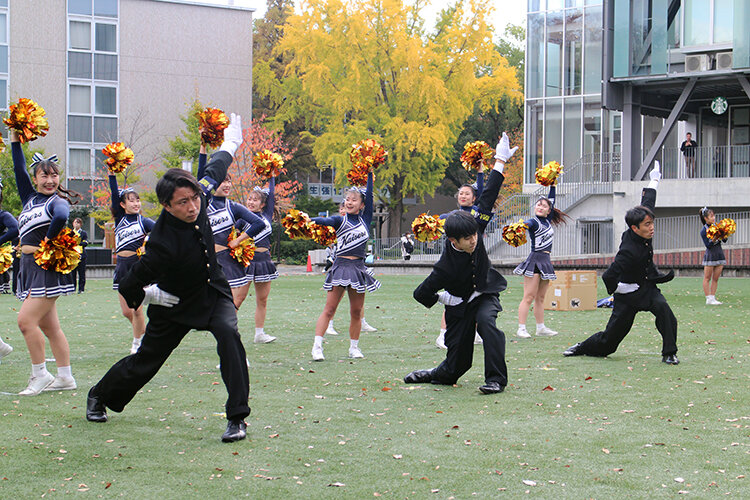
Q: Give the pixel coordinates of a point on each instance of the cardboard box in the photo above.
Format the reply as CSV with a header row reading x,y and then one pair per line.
x,y
572,291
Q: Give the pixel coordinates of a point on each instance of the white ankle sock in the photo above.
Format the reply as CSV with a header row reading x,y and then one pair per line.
x,y
330,324
521,326
540,326
442,331
353,343
259,331
318,342
64,371
38,370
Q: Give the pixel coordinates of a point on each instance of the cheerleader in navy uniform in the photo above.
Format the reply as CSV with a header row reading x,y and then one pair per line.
x,y
467,196
131,229
713,259
348,272
9,229
537,269
44,214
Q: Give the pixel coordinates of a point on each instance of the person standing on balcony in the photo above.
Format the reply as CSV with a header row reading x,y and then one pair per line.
x,y
713,259
632,279
688,148
537,270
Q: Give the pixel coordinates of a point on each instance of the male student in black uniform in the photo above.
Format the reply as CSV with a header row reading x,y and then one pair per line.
x,y
186,289
632,279
80,270
471,289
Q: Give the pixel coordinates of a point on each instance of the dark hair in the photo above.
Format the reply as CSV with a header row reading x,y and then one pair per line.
x,y
173,179
51,167
460,224
78,219
470,186
355,190
555,216
702,213
636,215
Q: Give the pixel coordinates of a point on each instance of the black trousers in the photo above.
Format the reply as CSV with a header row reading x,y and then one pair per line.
x,y
626,306
480,314
126,377
80,273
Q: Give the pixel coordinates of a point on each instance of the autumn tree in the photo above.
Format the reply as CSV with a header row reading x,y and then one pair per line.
x,y
367,68
11,200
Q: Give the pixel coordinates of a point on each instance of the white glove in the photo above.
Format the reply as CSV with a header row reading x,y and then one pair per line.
x,y
626,287
158,297
232,135
655,176
448,299
503,152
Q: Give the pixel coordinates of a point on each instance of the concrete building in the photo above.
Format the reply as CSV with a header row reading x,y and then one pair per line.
x,y
613,85
126,70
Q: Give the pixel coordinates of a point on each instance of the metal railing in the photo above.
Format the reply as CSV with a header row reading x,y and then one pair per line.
x,y
683,232
706,163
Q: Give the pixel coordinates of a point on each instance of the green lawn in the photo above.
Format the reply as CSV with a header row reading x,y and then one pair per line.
x,y
624,426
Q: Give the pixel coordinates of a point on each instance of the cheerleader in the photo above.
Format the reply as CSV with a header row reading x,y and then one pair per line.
x,y
713,259
44,214
537,269
9,230
223,214
348,272
467,196
131,229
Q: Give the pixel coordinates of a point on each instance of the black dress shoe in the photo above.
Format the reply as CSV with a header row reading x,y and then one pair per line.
x,y
236,430
491,388
574,350
418,377
670,359
95,409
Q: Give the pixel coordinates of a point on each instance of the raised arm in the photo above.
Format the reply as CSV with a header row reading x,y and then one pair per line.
x,y
23,181
202,159
551,196
480,183
367,212
270,199
216,169
114,191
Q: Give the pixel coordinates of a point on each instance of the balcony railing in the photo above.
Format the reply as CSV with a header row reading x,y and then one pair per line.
x,y
708,162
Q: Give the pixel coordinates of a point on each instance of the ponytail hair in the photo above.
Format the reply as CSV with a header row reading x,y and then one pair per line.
x,y
555,216
703,213
49,166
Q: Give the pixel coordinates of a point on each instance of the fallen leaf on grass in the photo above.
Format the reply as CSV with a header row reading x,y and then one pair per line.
x,y
549,388
385,389
605,450
529,482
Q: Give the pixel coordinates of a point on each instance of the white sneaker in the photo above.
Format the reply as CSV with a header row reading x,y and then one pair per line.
x,y
545,332
367,328
440,341
355,353
317,353
521,332
5,349
331,331
713,302
263,338
477,339
37,384
62,384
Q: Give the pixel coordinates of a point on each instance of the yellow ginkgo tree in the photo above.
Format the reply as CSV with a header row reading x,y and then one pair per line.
x,y
368,69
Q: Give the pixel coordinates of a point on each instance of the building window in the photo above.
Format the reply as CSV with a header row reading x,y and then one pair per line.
x,y
106,37
592,65
573,51
707,22
554,46
82,7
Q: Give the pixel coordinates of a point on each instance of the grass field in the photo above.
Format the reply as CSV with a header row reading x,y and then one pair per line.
x,y
624,426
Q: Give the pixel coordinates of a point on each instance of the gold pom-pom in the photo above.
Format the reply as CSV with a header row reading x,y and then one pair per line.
x,y
212,123
60,254
141,250
27,118
357,176
2,145
6,257
245,251
368,155
721,230
476,154
427,227
267,164
120,157
296,225
515,234
547,175
322,235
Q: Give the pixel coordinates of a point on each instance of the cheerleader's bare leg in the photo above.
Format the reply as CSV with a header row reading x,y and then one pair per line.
x,y
239,295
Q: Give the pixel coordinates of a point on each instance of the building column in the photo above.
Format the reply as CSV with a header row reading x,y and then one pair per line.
x,y
631,132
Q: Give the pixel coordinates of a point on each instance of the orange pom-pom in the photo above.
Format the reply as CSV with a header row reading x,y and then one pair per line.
x,y
427,227
212,123
120,157
6,257
515,234
547,175
476,154
245,251
61,254
267,164
27,118
368,155
296,225
721,230
322,235
2,145
357,176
